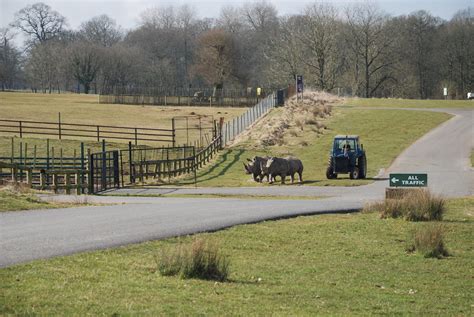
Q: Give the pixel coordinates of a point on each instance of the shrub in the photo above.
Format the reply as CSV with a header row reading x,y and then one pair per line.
x,y
416,205
200,259
428,240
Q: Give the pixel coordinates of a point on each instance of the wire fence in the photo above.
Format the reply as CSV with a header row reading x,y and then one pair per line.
x,y
231,129
184,97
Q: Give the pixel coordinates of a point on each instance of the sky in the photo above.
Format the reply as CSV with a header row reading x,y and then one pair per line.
x,y
127,12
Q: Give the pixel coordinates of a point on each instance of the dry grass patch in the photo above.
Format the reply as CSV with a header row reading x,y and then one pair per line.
x,y
429,241
416,205
284,123
201,259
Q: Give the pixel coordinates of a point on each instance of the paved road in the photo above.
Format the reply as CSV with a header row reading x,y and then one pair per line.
x,y
28,235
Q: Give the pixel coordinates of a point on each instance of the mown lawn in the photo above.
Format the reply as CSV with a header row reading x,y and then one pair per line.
x,y
409,103
384,134
353,264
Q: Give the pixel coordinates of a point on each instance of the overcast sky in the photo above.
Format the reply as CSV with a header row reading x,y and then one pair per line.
x,y
127,12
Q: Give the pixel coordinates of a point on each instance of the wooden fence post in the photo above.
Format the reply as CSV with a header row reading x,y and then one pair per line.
x,y
43,179
29,177
67,175
78,177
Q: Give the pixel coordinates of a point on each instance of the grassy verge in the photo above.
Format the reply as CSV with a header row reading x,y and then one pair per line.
x,y
409,103
384,134
330,264
12,200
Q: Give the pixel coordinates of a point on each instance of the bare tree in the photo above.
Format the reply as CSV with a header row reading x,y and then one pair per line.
x,y
459,51
319,36
39,22
159,17
85,63
371,42
216,57
284,52
261,16
101,30
9,59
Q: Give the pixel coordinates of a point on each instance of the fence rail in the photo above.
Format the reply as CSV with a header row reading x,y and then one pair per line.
x,y
60,129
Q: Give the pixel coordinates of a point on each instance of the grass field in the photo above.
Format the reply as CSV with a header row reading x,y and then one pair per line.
x,y
384,134
353,264
85,109
409,103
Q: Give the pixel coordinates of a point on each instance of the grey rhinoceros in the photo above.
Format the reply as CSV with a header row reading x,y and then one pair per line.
x,y
254,167
283,167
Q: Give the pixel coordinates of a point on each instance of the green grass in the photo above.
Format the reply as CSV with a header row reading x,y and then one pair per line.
x,y
408,103
353,264
13,200
384,134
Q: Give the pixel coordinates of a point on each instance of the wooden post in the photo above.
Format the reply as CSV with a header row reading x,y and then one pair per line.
x,y
78,183
136,136
14,176
47,154
43,179
81,181
59,125
29,177
67,175
55,182
21,130
98,134
174,131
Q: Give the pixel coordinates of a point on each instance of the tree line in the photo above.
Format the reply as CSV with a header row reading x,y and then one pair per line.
x,y
358,51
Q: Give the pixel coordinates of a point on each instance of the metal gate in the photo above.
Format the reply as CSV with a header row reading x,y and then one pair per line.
x,y
103,171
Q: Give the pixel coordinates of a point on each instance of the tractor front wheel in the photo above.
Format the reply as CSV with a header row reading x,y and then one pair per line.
x,y
330,171
354,174
362,167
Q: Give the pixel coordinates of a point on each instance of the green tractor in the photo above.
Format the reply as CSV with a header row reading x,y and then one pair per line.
x,y
347,156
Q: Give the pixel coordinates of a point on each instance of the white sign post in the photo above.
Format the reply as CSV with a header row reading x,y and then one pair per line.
x,y
445,93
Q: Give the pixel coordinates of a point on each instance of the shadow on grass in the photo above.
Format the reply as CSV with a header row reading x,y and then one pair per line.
x,y
224,159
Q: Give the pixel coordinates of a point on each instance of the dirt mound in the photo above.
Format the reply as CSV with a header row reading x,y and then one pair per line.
x,y
309,113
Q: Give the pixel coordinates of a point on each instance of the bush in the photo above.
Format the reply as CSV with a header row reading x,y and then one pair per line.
x,y
416,205
200,259
428,240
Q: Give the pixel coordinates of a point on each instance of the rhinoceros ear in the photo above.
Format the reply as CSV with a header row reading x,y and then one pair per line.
x,y
249,160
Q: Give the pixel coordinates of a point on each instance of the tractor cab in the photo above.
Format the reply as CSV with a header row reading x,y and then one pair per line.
x,y
347,156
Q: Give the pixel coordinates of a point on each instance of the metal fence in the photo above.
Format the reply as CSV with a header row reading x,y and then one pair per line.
x,y
234,127
184,97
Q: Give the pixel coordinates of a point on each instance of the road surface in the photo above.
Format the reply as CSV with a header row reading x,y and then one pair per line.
x,y
443,153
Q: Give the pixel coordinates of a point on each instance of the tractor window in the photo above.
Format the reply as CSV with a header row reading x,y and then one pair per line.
x,y
340,144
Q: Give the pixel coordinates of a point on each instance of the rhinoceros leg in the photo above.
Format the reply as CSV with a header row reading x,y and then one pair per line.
x,y
300,175
292,178
283,176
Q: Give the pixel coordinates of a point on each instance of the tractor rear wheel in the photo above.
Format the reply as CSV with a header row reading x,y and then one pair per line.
x,y
330,170
354,174
362,166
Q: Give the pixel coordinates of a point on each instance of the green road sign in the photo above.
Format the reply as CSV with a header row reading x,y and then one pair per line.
x,y
408,180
